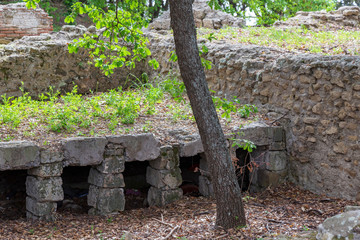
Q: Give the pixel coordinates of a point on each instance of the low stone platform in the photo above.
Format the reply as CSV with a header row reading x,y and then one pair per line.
x,y
107,157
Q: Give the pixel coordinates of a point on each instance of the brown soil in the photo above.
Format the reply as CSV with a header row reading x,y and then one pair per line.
x,y
285,211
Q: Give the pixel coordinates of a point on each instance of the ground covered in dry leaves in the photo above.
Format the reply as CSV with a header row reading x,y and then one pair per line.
x,y
285,211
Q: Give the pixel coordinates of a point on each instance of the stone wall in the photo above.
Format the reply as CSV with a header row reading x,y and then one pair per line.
x,y
17,21
43,61
107,156
204,16
316,97
347,17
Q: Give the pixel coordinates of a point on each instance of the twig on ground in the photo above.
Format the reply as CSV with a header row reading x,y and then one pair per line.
x,y
275,221
222,236
165,223
172,232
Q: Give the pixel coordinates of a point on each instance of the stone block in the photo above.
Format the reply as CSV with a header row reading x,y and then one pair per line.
x,y
84,151
47,170
112,164
205,187
18,155
258,133
277,134
45,189
189,149
164,178
48,156
106,200
158,197
140,147
31,216
40,208
277,146
114,150
169,158
277,161
266,178
106,180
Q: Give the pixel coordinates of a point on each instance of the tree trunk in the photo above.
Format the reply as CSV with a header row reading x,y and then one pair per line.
x,y
230,211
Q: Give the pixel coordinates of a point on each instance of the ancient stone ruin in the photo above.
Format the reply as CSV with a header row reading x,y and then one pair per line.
x,y
109,156
17,21
315,98
347,17
204,17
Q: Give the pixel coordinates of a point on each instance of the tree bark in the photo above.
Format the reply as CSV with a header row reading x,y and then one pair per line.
x,y
230,211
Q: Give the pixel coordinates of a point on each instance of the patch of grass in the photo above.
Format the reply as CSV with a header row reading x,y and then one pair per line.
x,y
115,109
292,39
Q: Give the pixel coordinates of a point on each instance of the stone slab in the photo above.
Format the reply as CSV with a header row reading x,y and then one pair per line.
x,y
18,155
139,147
84,151
48,156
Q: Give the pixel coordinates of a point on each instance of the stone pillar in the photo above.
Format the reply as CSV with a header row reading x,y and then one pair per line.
x,y
106,193
205,185
164,176
44,187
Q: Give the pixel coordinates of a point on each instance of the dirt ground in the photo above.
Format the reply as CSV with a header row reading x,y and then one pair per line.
x,y
286,211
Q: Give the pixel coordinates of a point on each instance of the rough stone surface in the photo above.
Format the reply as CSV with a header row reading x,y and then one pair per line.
x,y
204,17
16,21
112,164
140,147
205,187
47,170
158,197
49,156
18,155
164,179
84,151
115,180
277,161
340,226
45,189
40,209
169,158
348,16
46,58
106,200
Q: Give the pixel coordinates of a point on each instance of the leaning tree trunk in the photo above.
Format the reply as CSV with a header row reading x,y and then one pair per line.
x,y
230,211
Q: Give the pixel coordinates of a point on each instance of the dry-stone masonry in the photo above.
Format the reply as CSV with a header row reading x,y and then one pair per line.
x,y
46,59
107,156
204,17
345,17
17,21
317,98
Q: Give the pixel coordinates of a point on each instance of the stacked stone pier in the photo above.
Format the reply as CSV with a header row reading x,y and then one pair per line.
x,y
108,156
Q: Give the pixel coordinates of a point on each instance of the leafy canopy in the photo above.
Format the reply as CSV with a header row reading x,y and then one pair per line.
x,y
269,11
119,22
